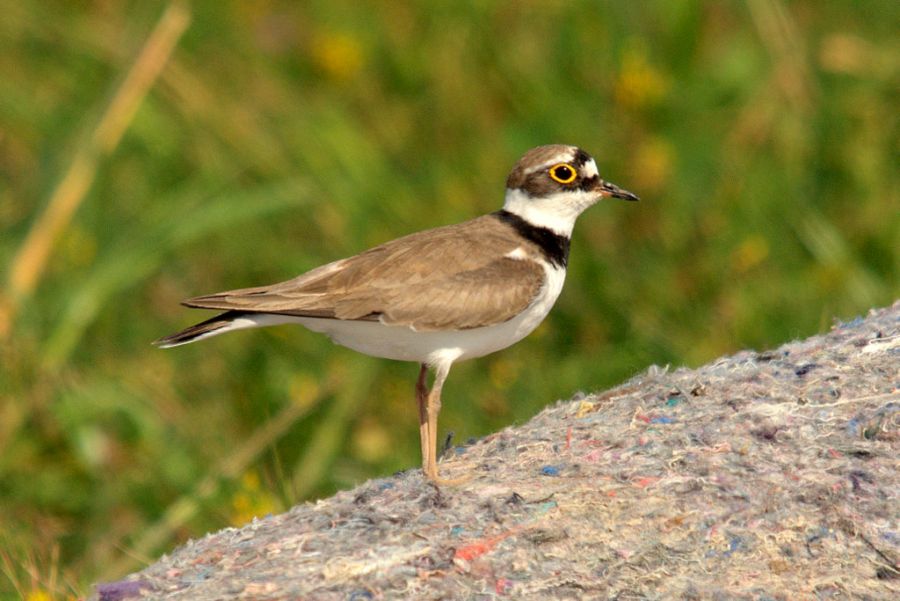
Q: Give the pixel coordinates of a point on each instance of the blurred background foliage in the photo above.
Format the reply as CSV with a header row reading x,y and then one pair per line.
x,y
261,139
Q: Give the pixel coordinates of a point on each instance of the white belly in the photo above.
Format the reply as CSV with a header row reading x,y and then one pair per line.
x,y
405,344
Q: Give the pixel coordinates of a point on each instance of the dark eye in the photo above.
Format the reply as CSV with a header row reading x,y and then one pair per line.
x,y
562,173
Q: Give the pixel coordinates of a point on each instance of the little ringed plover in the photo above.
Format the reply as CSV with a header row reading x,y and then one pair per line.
x,y
441,295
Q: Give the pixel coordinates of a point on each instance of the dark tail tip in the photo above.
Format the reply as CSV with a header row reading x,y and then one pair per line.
x,y
204,329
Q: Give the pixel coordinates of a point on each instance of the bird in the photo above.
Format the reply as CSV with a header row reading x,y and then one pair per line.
x,y
438,296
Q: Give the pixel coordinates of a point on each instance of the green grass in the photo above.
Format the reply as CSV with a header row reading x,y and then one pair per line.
x,y
761,136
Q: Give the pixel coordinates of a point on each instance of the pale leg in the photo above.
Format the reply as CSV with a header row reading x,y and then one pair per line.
x,y
433,409
422,401
429,402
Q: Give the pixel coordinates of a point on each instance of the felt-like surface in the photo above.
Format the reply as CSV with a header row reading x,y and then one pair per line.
x,y
759,476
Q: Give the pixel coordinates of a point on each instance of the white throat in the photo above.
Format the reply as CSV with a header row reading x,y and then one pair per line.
x,y
556,212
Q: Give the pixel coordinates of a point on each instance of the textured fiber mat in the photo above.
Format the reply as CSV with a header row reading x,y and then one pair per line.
x,y
760,476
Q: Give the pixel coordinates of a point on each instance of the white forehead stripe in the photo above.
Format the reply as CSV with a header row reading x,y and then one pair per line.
x,y
563,157
589,168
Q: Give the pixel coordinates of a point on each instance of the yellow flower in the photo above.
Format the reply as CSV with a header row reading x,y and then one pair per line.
x,y
503,372
371,441
750,252
338,55
653,164
639,83
251,501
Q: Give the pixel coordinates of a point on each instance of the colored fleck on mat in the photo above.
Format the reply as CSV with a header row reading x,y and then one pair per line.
x,y
759,476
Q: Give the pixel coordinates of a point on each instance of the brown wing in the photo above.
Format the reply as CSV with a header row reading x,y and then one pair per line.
x,y
445,278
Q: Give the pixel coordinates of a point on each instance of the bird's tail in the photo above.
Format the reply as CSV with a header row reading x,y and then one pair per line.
x,y
225,322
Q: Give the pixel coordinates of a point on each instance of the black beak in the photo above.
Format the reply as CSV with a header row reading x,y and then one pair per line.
x,y
607,189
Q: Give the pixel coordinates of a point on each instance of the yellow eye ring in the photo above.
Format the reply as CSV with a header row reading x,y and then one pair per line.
x,y
563,173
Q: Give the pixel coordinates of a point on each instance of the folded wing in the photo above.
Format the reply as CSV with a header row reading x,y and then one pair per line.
x,y
454,277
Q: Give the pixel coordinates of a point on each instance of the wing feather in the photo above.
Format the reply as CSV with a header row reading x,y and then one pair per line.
x,y
453,277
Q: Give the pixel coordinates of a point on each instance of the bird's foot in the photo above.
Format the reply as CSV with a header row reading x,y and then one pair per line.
x,y
435,478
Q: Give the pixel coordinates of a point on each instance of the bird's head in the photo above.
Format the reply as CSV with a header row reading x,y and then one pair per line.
x,y
550,186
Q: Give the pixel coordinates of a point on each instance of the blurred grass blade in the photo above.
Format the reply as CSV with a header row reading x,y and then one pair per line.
x,y
832,251
229,468
28,264
356,380
142,250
